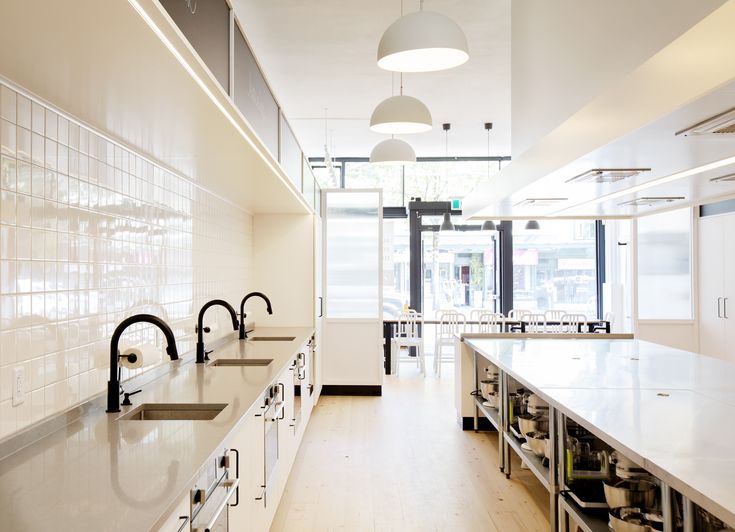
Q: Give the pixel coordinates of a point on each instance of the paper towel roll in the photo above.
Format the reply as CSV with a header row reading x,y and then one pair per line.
x,y
131,358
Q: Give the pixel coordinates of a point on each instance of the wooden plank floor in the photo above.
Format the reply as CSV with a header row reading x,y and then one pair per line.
x,y
400,462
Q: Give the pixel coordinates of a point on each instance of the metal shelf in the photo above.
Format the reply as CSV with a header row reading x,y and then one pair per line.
x,y
588,520
534,463
490,413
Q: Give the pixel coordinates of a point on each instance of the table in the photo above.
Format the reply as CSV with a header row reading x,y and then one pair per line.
x,y
507,325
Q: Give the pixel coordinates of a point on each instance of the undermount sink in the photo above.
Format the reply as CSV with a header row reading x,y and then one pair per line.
x,y
241,362
174,412
272,338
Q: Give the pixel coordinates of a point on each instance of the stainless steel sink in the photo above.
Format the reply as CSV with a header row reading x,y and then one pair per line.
x,y
272,338
241,362
174,412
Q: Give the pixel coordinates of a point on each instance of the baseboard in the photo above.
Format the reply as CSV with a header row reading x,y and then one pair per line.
x,y
358,389
483,423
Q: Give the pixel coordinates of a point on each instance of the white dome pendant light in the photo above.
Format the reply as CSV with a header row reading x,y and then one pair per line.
x,y
400,115
392,152
422,42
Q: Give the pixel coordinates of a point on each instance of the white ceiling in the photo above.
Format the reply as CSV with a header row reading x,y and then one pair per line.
x,y
319,55
631,124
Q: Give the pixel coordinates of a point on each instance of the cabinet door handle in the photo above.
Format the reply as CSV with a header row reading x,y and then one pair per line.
x,y
724,307
719,312
321,307
237,475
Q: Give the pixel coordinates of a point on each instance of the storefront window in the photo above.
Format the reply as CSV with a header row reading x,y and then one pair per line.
x,y
554,267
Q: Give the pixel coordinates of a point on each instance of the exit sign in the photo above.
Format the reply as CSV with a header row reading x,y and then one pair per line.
x,y
456,204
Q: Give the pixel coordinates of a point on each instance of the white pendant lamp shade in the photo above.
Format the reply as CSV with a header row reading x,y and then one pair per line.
x,y
422,42
400,115
392,151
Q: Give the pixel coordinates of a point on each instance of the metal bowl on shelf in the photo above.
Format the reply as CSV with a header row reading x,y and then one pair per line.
x,y
488,387
639,493
536,405
530,423
630,519
493,401
537,442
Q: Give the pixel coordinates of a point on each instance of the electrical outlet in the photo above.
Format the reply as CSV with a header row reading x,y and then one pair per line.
x,y
19,385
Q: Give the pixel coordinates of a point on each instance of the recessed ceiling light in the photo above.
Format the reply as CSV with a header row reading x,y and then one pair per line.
x,y
651,201
607,175
539,202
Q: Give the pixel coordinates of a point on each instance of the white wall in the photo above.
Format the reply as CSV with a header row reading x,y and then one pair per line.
x,y
564,53
283,269
91,232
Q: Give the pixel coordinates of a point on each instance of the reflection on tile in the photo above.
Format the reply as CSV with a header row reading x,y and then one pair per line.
x,y
91,232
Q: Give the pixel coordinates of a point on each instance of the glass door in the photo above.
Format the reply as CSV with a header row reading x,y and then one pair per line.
x,y
459,271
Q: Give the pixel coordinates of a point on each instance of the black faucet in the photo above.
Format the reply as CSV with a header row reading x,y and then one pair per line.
x,y
201,355
261,295
113,385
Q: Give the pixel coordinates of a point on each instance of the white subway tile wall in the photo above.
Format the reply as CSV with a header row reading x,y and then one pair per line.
x,y
91,232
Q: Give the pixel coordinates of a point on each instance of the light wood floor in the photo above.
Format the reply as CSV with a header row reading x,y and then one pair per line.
x,y
400,462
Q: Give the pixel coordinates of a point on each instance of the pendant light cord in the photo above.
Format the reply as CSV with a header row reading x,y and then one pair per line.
x,y
421,5
488,153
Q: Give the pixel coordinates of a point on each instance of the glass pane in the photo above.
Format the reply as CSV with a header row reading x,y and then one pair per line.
x,y
353,254
308,184
366,175
327,177
291,156
396,290
459,271
440,181
554,267
664,266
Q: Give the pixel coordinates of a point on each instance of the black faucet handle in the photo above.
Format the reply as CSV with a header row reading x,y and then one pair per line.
x,y
204,329
126,400
206,354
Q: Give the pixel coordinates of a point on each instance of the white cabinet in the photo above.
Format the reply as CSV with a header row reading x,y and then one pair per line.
x,y
717,286
250,512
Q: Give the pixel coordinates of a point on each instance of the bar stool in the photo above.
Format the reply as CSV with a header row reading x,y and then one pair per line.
x,y
450,323
408,335
490,322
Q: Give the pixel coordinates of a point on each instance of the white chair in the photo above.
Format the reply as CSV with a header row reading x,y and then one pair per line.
x,y
408,335
516,315
475,318
535,322
554,315
490,322
610,318
450,323
573,323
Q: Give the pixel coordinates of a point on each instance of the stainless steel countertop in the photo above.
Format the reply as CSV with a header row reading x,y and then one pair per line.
x,y
612,387
98,473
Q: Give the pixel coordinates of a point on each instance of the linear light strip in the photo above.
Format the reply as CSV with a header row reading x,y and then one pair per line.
x,y
650,184
165,40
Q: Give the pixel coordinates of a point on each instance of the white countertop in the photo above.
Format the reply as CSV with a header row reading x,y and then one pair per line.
x,y
612,387
98,473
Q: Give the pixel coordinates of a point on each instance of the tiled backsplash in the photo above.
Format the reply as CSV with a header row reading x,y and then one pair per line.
x,y
91,232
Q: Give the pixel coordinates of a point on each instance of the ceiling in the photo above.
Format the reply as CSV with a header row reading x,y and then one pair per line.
x,y
328,60
632,124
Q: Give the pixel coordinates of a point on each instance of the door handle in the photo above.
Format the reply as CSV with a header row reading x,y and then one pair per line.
x,y
321,307
719,312
724,308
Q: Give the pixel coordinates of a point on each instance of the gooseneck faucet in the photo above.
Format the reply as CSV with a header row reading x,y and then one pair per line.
x,y
261,295
201,354
113,385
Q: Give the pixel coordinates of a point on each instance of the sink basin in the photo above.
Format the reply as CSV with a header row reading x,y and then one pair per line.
x,y
174,412
241,362
272,338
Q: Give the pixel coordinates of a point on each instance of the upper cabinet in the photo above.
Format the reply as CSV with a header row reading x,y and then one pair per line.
x,y
290,155
207,27
252,96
